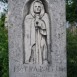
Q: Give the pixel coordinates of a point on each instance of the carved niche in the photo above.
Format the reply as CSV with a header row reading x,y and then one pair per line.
x,y
37,34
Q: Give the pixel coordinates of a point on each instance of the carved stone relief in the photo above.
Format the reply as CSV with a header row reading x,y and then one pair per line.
x,y
36,34
37,38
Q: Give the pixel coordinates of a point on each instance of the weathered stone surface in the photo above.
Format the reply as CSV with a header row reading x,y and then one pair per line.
x,y
57,65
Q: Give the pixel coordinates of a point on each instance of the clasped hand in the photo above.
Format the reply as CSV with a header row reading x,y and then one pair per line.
x,y
37,24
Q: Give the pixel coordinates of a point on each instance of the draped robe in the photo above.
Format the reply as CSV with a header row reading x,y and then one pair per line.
x,y
36,41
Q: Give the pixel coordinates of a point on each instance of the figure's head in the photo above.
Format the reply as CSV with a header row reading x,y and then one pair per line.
x,y
37,7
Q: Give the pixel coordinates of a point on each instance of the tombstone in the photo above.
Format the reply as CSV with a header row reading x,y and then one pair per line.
x,y
37,38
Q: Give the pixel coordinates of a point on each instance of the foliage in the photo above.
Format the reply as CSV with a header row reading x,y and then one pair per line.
x,y
72,54
3,49
71,10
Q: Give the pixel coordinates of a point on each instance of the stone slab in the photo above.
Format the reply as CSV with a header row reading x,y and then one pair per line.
x,y
57,68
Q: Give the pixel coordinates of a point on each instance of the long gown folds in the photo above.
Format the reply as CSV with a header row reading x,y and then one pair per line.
x,y
36,41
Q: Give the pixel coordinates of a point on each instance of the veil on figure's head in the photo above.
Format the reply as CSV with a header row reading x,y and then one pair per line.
x,y
32,10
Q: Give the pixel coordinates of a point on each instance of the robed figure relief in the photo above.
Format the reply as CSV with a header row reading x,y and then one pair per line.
x,y
36,37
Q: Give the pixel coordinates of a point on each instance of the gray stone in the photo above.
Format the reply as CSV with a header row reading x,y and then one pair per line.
x,y
51,27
